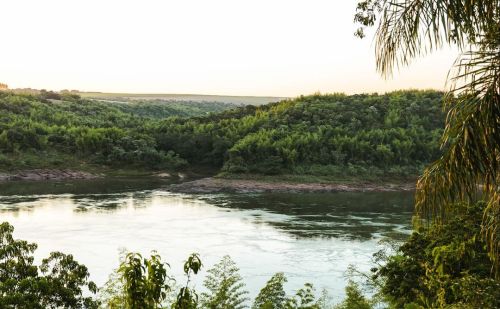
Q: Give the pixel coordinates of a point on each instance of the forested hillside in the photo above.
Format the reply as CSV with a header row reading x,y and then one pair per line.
x,y
396,134
159,108
392,134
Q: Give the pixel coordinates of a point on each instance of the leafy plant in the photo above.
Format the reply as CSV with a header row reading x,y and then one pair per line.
x,y
445,265
354,298
145,281
187,297
305,299
471,139
272,295
59,282
225,287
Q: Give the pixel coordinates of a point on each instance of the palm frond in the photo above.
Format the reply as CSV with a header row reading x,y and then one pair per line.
x,y
470,165
411,28
471,143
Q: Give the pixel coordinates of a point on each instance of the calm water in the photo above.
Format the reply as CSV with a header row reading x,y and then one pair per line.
x,y
311,237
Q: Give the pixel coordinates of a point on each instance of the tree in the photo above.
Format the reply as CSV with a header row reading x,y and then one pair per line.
x,y
354,298
59,282
225,286
471,140
272,296
145,281
445,265
112,294
187,297
304,298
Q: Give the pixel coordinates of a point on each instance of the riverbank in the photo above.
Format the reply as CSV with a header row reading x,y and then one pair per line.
x,y
47,174
94,172
220,185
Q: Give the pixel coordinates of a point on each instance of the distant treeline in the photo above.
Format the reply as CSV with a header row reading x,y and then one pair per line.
x,y
160,108
391,134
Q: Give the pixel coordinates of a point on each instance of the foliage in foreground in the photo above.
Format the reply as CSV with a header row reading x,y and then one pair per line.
x,y
354,298
445,266
471,139
225,286
59,282
136,285
146,282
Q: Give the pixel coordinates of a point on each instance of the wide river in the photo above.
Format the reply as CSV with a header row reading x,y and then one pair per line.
x,y
310,237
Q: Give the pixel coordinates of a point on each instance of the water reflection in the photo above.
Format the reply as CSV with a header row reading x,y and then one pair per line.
x,y
343,214
340,215
311,237
95,186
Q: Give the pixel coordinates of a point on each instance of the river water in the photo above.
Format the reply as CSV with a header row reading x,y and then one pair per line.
x,y
310,237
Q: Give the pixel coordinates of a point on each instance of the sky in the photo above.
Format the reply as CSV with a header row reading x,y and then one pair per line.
x,y
227,47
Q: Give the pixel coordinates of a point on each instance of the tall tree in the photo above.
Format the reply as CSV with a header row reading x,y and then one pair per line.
x,y
471,140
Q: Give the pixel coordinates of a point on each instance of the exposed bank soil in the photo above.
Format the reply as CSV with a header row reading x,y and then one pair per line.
x,y
216,185
46,174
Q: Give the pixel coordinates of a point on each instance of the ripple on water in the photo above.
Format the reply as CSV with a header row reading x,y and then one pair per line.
x,y
311,237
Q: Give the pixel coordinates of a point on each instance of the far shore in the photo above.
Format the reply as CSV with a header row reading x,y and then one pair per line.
x,y
223,184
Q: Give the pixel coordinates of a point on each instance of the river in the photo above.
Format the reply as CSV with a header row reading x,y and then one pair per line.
x,y
310,237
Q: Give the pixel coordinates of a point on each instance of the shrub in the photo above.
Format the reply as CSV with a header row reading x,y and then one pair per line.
x,y
225,286
59,282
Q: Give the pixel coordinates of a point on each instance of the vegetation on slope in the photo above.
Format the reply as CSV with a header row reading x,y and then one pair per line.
x,y
323,135
238,100
62,130
159,109
394,134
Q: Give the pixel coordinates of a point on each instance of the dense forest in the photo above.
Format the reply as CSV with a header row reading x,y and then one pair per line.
x,y
394,134
159,108
51,130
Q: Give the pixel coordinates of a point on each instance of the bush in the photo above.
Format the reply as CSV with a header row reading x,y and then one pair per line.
x,y
5,161
354,298
59,282
272,296
444,265
225,286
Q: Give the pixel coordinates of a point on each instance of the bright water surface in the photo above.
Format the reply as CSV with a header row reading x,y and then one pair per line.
x,y
311,237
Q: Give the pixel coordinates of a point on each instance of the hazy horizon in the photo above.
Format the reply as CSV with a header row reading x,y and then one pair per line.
x,y
96,94
258,48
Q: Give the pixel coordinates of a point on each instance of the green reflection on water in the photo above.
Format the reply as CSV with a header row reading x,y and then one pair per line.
x,y
353,215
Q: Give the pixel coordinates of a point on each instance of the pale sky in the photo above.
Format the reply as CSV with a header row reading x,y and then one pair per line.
x,y
231,47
